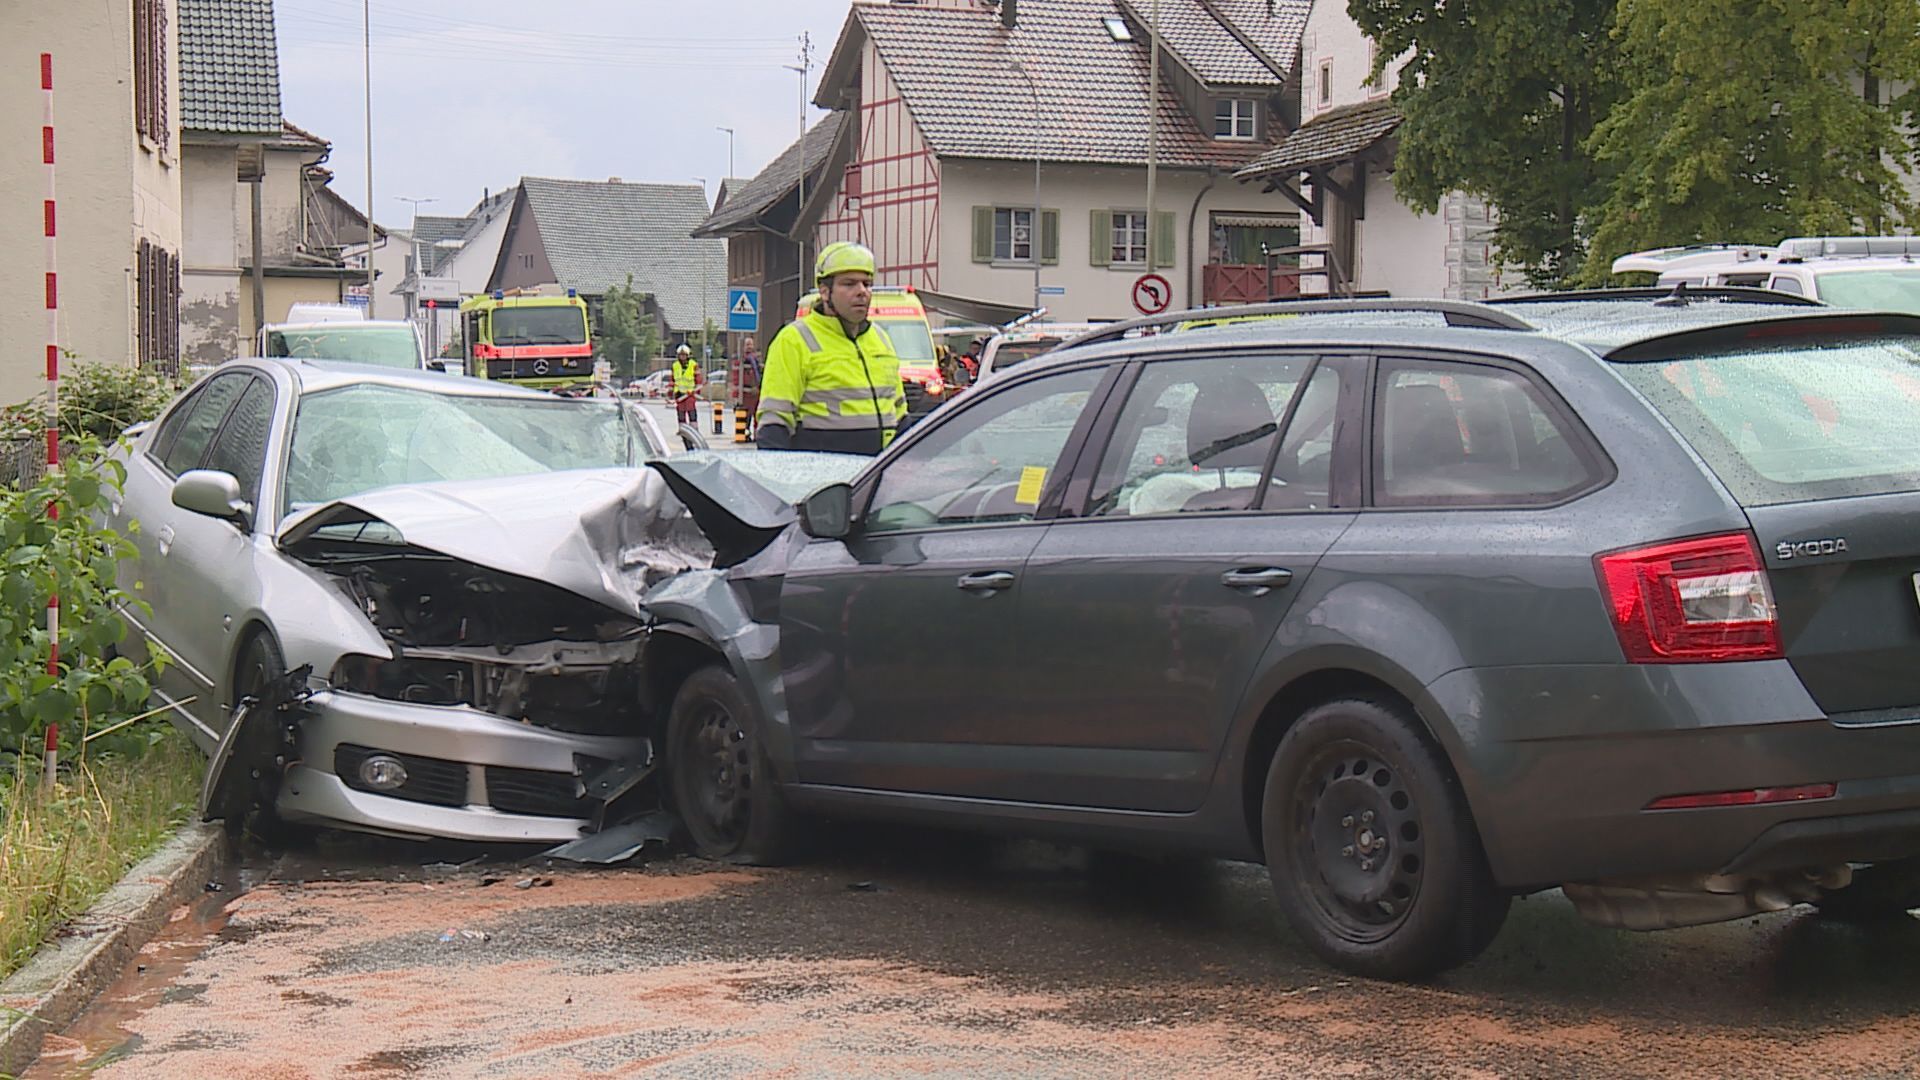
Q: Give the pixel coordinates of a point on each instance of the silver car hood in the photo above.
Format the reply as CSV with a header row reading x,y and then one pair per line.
x,y
608,535
604,534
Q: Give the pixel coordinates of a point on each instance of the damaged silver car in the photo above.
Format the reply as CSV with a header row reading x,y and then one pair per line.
x,y
425,590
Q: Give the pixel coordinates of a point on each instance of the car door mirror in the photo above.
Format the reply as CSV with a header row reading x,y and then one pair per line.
x,y
215,494
827,514
690,437
437,365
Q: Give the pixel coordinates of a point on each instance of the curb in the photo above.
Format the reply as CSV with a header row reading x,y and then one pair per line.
x,y
64,976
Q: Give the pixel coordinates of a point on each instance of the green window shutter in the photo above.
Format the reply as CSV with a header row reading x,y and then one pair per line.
x,y
1049,237
983,234
1162,244
1100,229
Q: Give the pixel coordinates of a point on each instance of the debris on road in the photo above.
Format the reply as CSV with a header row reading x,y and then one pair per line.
x,y
620,842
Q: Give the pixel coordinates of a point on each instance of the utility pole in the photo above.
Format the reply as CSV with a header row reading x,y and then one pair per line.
x,y
366,72
805,68
1033,236
1153,117
706,346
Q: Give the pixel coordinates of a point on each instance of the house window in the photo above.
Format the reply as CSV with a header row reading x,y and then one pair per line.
x,y
1012,235
157,307
1118,29
1129,244
1379,79
1233,118
150,89
526,261
1325,96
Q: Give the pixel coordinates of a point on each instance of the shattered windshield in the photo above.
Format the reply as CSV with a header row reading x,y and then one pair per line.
x,y
1881,290
790,475
368,436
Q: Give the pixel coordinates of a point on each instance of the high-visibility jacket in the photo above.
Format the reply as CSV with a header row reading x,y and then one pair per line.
x,y
686,376
828,391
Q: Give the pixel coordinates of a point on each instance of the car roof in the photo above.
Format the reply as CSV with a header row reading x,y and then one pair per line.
x,y
313,376
1603,321
342,324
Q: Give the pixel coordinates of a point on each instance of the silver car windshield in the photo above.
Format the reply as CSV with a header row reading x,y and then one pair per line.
x,y
357,438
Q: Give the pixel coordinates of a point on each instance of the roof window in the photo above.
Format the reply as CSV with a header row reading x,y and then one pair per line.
x,y
1117,28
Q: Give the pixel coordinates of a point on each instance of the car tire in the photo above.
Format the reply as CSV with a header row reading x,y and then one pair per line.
x,y
1373,854
251,794
1882,891
719,776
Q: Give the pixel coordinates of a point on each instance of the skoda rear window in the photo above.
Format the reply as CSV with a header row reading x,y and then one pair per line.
x,y
1796,417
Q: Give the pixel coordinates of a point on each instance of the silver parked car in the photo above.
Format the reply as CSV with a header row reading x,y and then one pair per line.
x,y
462,678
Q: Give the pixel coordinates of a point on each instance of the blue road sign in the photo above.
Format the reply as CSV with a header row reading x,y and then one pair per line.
x,y
1053,290
743,311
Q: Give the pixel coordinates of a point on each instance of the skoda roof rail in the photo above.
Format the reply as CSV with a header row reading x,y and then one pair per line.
x,y
1681,293
1462,313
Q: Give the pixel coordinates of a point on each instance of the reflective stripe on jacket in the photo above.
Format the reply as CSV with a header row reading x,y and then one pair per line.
x,y
833,393
686,377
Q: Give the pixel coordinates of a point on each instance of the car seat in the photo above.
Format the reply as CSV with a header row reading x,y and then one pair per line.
x,y
1231,427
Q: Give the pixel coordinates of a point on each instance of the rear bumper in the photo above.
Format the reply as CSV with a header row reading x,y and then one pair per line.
x,y
479,748
1560,764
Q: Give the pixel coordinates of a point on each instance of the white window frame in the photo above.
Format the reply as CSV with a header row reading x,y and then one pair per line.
x,y
1011,252
1122,237
1323,96
1242,119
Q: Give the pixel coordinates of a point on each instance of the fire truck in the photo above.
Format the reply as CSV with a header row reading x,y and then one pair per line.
x,y
530,338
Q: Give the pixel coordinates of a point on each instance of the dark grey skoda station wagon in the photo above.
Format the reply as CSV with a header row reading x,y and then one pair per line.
x,y
1426,605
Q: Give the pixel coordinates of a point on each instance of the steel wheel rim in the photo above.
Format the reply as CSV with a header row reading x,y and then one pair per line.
x,y
1358,843
714,768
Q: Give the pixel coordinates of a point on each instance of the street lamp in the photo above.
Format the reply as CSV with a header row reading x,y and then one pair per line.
x,y
729,131
366,71
1033,237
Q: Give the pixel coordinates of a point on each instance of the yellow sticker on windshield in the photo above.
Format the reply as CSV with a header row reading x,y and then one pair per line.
x,y
1032,479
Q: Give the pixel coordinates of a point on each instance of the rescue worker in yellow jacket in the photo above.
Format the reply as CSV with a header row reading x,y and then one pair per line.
x,y
686,386
832,381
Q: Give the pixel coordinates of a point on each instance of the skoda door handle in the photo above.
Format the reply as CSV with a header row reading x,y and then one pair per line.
x,y
165,540
986,581
1257,580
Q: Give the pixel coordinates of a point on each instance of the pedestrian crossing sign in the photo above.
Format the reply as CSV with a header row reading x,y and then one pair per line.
x,y
743,310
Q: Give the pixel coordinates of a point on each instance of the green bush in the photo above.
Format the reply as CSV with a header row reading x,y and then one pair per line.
x,y
97,400
74,555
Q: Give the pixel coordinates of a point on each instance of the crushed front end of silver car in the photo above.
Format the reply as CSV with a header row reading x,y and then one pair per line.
x,y
512,703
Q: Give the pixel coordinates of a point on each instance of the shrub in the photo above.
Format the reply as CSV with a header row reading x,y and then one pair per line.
x,y
98,400
73,554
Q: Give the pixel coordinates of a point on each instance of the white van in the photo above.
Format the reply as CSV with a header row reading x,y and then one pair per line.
x,y
384,343
1879,272
313,313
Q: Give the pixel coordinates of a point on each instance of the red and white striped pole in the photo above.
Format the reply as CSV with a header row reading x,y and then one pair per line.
x,y
52,753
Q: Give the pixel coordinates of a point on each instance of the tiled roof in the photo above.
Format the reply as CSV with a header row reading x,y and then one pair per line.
x,y
1209,50
428,231
1331,136
596,234
229,68
782,174
953,66
1273,27
294,137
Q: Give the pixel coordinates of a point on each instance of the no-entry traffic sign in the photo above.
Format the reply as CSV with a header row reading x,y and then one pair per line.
x,y
1151,294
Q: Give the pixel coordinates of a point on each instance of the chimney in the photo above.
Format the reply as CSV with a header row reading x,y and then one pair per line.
x,y
1009,13
613,179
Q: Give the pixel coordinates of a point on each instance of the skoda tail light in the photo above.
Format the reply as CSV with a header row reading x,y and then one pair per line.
x,y
1691,601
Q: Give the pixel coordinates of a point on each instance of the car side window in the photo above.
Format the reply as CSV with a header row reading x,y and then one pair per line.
x,y
201,420
988,464
241,446
1787,285
1196,436
1450,434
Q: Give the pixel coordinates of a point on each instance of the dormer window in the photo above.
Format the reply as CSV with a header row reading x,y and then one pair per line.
x,y
1233,118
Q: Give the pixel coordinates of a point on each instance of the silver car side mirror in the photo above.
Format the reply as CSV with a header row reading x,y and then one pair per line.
x,y
827,514
213,493
691,438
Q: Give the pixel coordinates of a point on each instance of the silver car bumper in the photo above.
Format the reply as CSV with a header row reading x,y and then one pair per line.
x,y
472,775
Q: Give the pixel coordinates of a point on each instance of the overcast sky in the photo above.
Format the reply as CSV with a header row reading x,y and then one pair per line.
x,y
474,94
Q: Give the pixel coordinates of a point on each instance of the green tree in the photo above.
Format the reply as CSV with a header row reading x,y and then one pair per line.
x,y
1499,98
1757,119
617,340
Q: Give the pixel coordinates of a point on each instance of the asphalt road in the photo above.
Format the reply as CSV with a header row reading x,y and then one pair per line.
x,y
916,953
